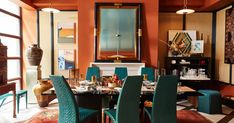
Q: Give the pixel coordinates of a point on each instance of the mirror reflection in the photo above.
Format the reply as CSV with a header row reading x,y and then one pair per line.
x,y
117,32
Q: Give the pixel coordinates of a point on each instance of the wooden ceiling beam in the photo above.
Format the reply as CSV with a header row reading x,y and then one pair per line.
x,y
180,3
213,5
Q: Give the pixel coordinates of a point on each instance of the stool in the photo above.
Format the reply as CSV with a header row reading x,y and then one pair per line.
x,y
19,94
210,103
3,98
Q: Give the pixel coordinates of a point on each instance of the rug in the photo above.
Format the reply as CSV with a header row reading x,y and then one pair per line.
x,y
46,116
183,116
189,116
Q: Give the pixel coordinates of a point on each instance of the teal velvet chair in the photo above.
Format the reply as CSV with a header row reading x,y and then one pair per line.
x,y
121,72
69,112
150,73
127,110
93,71
164,101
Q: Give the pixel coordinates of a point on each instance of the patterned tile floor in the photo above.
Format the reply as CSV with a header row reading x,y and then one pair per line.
x,y
25,114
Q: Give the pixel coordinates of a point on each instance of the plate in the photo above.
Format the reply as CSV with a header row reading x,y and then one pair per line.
x,y
118,89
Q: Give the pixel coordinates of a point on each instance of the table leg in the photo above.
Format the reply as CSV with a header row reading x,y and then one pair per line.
x,y
14,104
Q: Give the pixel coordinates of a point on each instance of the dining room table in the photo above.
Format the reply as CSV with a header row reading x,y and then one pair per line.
x,y
97,96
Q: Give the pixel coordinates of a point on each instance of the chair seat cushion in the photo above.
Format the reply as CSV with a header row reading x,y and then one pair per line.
x,y
111,113
85,113
3,96
20,92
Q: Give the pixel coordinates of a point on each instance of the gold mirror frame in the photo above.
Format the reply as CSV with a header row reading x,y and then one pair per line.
x,y
116,53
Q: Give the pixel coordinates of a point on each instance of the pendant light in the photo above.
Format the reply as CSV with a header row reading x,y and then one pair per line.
x,y
185,10
50,9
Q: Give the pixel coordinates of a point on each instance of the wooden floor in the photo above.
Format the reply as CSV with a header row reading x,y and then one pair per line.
x,y
25,114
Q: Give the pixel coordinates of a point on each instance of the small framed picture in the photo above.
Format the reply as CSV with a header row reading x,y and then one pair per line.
x,y
66,59
197,46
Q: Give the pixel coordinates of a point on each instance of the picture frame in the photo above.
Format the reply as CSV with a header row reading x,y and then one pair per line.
x,y
197,47
117,32
66,32
66,59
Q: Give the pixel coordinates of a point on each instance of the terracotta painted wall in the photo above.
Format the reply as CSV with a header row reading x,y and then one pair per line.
x,y
86,31
167,21
29,27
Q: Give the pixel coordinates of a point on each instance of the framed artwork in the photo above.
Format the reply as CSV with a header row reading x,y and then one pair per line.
x,y
180,41
197,46
66,59
66,32
229,36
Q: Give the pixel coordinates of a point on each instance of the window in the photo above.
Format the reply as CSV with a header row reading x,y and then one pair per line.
x,y
10,35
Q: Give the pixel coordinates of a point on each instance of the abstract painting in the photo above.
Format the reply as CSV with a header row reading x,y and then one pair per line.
x,y
66,59
229,37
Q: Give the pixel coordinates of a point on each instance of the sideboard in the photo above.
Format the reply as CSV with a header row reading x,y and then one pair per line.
x,y
107,69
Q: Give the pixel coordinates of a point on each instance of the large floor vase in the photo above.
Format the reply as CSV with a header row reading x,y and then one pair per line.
x,y
43,85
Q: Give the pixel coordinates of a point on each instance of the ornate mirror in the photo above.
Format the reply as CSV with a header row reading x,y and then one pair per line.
x,y
117,32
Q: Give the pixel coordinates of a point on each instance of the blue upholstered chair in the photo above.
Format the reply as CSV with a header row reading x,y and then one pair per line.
x,y
210,102
69,112
121,72
164,101
150,73
127,110
92,71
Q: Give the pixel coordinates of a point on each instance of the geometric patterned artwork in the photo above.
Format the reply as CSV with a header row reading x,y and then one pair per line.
x,y
181,40
229,36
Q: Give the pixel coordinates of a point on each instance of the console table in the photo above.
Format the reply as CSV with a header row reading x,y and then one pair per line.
x,y
5,89
107,69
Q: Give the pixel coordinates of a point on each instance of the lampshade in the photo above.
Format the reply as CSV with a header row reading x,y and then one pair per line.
x,y
53,10
50,9
185,10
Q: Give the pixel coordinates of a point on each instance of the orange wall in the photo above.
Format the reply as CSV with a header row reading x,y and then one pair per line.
x,y
86,31
29,27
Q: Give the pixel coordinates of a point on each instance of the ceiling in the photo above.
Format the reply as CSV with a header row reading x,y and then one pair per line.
x,y
164,5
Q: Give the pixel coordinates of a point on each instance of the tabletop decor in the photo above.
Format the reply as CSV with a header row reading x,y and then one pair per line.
x,y
112,81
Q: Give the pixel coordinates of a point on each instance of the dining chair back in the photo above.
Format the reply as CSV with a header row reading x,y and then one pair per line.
x,y
68,109
93,71
128,102
164,100
121,72
150,73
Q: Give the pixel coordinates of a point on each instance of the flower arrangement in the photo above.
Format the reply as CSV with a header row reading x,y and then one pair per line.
x,y
112,81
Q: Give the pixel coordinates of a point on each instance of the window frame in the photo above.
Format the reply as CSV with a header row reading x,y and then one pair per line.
x,y
20,58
